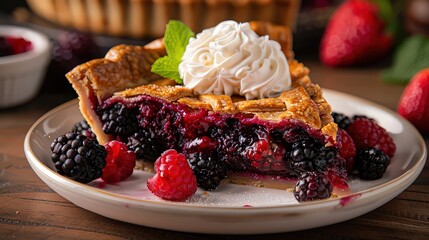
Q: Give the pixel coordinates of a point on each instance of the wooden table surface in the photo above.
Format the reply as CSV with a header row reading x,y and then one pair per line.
x,y
31,210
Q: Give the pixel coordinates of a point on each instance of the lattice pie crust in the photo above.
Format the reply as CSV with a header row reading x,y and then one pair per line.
x,y
125,72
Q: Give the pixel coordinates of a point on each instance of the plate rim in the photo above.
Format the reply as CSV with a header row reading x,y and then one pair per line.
x,y
369,193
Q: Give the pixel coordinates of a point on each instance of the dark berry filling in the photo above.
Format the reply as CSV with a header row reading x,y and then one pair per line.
x,y
119,121
241,142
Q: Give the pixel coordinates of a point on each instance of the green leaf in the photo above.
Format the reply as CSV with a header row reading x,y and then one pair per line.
x,y
176,39
168,68
411,56
386,9
388,14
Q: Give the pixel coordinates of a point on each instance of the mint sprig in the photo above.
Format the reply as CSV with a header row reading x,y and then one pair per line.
x,y
410,57
176,38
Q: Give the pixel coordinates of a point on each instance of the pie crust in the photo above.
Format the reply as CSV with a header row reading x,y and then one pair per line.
x,y
147,18
126,72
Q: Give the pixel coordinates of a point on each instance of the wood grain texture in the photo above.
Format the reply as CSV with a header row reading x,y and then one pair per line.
x,y
29,209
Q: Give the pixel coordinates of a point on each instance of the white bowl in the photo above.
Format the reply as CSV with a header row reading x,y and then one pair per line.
x,y
21,75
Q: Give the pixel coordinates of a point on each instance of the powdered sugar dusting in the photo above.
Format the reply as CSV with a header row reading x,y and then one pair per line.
x,y
226,195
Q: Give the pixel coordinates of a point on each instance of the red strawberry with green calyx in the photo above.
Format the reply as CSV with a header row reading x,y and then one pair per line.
x,y
414,102
359,31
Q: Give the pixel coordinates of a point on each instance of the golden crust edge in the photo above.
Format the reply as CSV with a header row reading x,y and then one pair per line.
x,y
297,71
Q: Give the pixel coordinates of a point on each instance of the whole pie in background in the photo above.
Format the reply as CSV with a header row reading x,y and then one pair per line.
x,y
147,18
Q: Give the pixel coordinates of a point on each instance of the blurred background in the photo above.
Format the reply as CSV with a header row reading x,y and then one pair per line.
x,y
81,30
84,30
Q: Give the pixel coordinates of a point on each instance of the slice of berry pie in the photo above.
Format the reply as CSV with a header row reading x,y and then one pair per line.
x,y
232,99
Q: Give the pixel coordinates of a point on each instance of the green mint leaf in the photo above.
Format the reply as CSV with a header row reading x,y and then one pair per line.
x,y
168,68
411,56
176,39
387,13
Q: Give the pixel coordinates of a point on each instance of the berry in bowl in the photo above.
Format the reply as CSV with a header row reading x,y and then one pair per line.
x,y
10,45
24,56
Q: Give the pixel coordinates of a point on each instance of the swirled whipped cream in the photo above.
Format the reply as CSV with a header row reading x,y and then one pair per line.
x,y
232,59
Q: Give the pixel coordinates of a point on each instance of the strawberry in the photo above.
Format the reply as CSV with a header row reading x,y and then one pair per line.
x,y
414,102
356,34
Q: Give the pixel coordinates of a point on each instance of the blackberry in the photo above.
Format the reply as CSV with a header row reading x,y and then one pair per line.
x,y
371,163
341,120
145,145
325,158
302,154
119,121
83,128
78,157
312,186
310,155
208,169
74,47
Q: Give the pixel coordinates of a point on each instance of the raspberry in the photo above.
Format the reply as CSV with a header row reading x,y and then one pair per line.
x,y
208,169
258,151
19,44
14,45
174,179
274,160
77,157
371,163
120,162
347,150
366,132
312,186
341,120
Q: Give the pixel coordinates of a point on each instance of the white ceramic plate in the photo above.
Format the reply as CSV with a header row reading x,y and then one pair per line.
x,y
231,209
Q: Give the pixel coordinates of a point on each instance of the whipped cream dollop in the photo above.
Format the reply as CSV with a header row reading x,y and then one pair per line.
x,y
232,59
